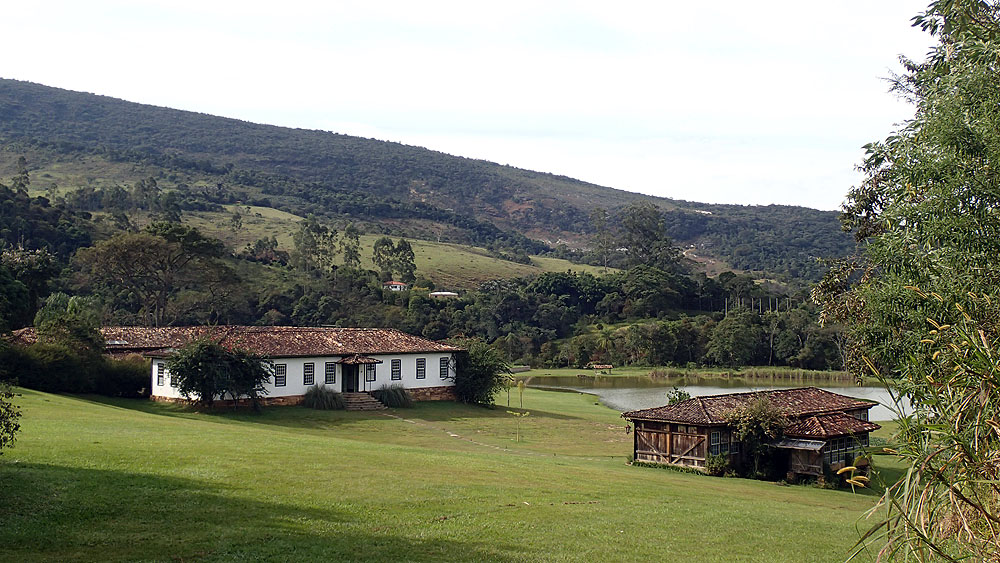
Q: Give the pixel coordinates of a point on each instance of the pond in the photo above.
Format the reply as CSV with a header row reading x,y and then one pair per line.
x,y
625,393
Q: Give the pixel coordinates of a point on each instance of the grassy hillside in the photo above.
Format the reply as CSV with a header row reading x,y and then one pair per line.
x,y
95,479
73,139
448,265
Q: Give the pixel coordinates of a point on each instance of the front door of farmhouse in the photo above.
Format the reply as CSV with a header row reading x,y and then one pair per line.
x,y
350,379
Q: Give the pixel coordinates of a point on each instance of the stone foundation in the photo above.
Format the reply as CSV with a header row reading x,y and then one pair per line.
x,y
228,403
443,393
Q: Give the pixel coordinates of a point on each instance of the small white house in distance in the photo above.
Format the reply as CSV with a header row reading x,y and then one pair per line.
x,y
443,295
395,286
348,360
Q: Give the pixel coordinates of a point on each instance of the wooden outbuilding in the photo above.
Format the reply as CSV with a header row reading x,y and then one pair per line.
x,y
824,427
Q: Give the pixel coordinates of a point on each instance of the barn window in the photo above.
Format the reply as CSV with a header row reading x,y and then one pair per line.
x,y
397,370
369,372
421,368
444,368
159,374
330,372
843,450
713,445
308,373
280,374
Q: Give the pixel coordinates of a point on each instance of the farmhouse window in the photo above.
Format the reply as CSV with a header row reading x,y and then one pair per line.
x,y
397,370
159,374
174,380
308,373
330,372
280,374
421,368
444,368
369,372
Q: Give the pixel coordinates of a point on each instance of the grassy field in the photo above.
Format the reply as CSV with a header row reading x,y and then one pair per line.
x,y
101,479
449,266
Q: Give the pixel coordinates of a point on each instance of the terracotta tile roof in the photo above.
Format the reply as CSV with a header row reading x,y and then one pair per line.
x,y
715,409
269,341
358,359
829,426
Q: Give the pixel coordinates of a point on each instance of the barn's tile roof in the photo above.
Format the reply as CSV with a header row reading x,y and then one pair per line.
x,y
268,341
715,409
829,426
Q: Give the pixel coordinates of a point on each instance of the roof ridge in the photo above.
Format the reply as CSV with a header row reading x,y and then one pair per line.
x,y
703,409
760,392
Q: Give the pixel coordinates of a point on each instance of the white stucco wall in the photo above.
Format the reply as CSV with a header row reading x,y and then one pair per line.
x,y
295,385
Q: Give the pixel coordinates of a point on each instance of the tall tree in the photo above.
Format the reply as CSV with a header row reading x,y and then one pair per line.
x,y
145,271
601,239
645,239
315,246
350,246
921,302
21,180
403,261
382,255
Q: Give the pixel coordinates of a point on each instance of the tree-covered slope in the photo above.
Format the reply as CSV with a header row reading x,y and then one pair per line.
x,y
330,174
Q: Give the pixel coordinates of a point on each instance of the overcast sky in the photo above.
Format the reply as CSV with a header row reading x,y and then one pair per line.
x,y
722,102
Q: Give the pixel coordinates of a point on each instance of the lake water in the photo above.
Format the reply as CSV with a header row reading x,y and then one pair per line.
x,y
642,392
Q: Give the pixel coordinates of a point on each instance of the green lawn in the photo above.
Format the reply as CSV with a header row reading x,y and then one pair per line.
x,y
100,479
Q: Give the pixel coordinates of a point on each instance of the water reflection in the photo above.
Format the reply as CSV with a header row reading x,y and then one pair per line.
x,y
641,392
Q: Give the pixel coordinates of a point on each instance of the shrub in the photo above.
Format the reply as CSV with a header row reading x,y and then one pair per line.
x,y
395,396
129,377
55,368
321,397
481,372
9,413
717,465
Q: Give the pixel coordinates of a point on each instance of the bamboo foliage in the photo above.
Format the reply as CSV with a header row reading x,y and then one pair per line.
x,y
947,504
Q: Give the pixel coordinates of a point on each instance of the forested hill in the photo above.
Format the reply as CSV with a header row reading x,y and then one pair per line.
x,y
414,189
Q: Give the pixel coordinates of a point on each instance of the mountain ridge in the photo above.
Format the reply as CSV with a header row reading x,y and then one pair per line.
x,y
384,181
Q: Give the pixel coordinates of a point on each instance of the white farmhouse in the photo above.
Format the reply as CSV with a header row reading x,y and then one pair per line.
x,y
349,360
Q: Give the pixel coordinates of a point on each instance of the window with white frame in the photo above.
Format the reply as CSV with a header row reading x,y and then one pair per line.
x,y
308,373
159,374
444,368
330,372
280,375
718,443
369,372
174,380
397,370
421,368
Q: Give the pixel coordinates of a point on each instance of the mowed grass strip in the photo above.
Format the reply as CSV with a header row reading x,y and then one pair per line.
x,y
97,479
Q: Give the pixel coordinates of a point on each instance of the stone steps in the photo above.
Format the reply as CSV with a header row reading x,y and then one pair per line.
x,y
362,402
